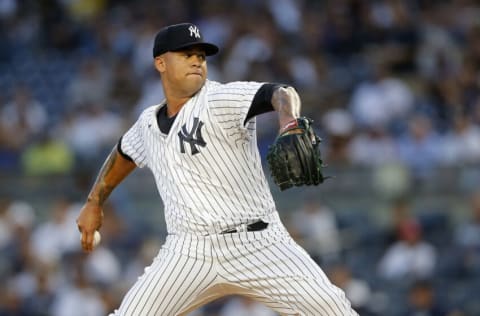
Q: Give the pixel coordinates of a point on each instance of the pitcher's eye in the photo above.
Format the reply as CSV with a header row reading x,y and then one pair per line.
x,y
201,56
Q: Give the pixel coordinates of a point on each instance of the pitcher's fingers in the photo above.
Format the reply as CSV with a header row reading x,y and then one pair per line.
x,y
87,241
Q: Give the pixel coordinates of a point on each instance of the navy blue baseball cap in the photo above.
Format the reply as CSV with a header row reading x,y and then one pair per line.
x,y
180,36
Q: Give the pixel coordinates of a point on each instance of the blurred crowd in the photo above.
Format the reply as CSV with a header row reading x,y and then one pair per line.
x,y
388,82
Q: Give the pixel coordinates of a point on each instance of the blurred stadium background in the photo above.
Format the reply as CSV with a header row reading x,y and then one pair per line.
x,y
393,86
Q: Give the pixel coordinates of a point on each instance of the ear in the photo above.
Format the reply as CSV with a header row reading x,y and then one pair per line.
x,y
159,62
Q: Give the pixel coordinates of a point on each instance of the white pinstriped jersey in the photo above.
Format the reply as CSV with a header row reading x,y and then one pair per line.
x,y
209,174
207,169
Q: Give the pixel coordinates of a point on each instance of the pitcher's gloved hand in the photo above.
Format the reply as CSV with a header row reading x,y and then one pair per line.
x,y
294,157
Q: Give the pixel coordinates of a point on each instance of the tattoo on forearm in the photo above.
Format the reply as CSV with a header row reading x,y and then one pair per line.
x,y
286,102
101,190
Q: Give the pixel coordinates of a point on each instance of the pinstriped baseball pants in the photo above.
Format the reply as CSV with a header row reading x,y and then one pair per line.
x,y
267,265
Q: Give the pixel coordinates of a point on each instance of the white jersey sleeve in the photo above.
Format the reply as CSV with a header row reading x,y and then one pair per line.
x,y
229,103
132,143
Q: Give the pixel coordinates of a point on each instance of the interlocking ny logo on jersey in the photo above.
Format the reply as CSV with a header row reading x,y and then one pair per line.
x,y
188,137
194,31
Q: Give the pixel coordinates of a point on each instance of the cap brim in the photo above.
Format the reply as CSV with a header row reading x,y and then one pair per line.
x,y
210,49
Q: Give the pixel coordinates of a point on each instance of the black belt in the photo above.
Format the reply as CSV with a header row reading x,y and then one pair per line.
x,y
253,227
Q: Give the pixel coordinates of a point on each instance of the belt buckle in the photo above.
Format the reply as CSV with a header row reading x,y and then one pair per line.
x,y
237,229
242,228
245,228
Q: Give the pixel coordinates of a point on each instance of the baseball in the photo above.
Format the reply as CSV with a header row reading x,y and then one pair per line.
x,y
96,238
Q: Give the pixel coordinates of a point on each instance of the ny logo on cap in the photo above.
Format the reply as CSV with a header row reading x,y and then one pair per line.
x,y
194,31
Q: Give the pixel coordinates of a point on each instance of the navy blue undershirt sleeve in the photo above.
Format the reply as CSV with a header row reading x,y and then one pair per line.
x,y
262,101
119,149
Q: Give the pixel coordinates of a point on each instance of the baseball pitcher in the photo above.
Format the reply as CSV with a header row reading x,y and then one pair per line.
x,y
224,233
